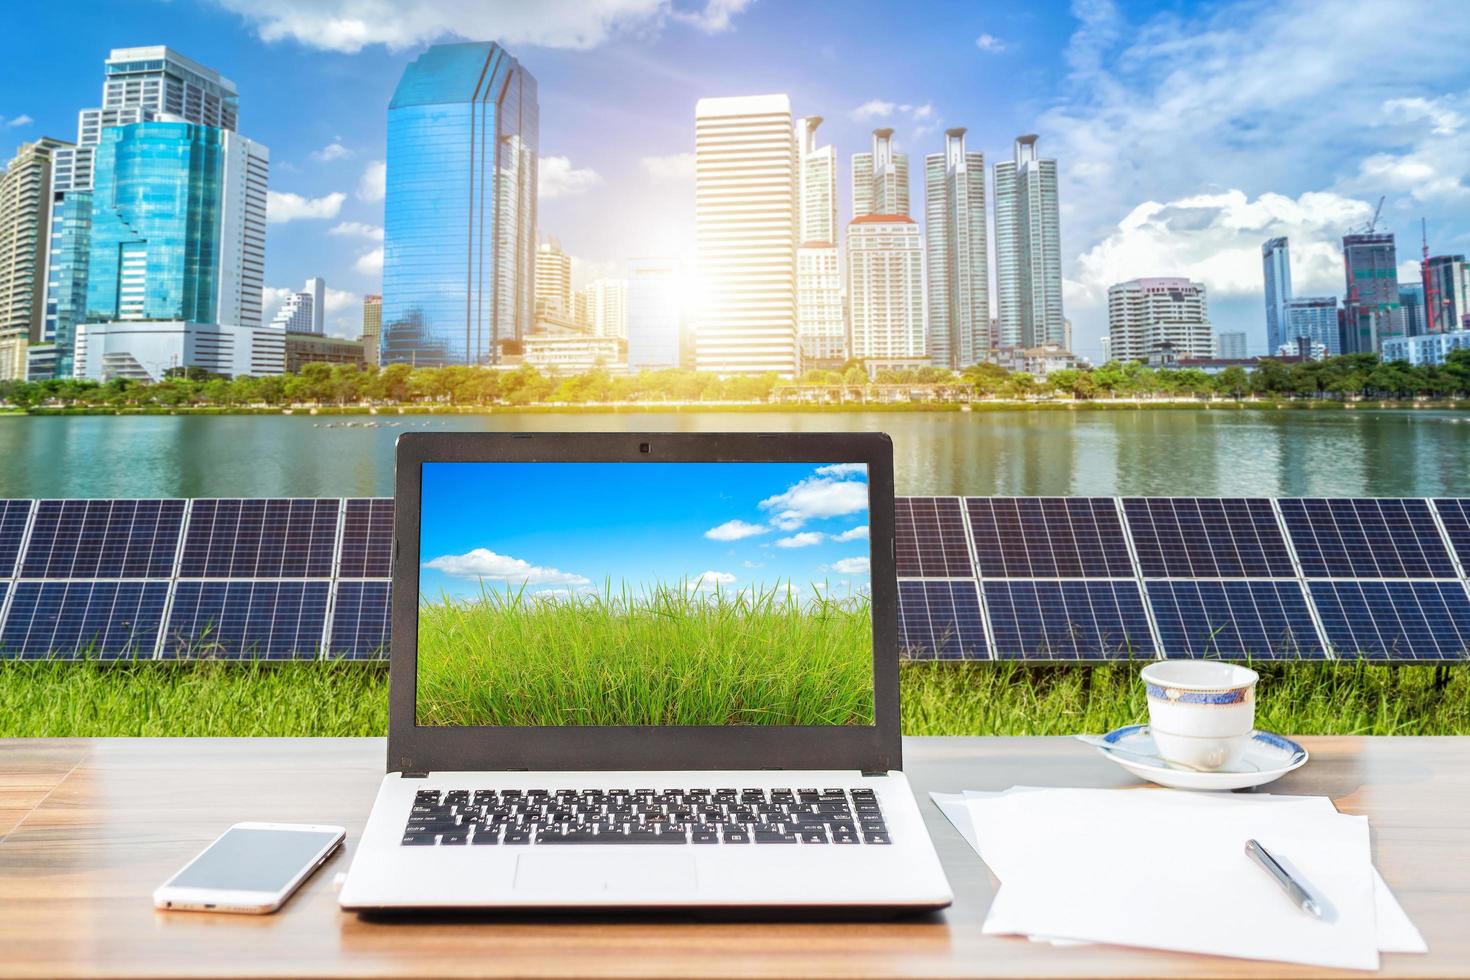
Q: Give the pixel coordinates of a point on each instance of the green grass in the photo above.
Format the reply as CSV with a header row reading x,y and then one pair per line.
x,y
669,656
337,699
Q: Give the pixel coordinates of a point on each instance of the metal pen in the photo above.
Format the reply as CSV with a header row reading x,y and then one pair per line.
x,y
1299,896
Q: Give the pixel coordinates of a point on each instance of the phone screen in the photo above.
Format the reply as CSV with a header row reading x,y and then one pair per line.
x,y
254,860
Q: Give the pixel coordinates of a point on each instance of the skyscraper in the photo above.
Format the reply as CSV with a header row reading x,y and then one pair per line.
x,y
304,311
1276,267
886,286
1411,307
745,218
372,329
819,326
654,315
459,278
1371,306
880,178
25,213
1028,265
958,255
607,307
1314,317
1159,316
1231,344
554,281
1449,283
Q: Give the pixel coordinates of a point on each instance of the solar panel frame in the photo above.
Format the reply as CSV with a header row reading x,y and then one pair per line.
x,y
1083,537
103,539
1454,514
1366,538
1207,537
1381,620
247,620
1252,618
260,538
361,620
1070,619
15,515
941,619
930,540
77,618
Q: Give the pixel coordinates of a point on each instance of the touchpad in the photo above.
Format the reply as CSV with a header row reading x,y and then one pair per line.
x,y
573,871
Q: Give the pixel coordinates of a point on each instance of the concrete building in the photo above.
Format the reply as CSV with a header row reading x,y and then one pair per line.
x,y
886,287
745,219
880,178
820,329
1449,286
303,348
607,307
25,234
148,350
1157,316
306,311
1303,348
1107,349
459,280
1429,349
1315,317
1028,265
14,347
1036,361
372,329
655,314
958,255
1230,344
1371,303
1276,269
573,353
553,280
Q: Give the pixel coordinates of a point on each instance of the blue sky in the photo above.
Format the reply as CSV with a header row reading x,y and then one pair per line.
x,y
1187,132
575,526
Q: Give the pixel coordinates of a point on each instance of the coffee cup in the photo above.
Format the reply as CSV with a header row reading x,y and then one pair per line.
x,y
1201,712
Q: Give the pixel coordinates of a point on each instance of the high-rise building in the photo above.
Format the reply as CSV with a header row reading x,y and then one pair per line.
x,y
880,178
554,281
457,281
178,225
745,218
819,325
1411,308
305,311
1230,344
372,329
1314,317
607,307
1449,286
886,286
655,323
1276,268
1159,317
958,255
1371,305
25,233
1028,265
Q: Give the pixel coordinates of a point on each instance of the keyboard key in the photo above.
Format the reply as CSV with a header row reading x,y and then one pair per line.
x,y
419,840
874,837
774,837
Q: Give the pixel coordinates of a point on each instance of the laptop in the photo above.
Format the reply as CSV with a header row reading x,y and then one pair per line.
x,y
644,671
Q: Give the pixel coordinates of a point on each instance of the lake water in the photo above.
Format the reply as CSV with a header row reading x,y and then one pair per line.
x,y
1163,452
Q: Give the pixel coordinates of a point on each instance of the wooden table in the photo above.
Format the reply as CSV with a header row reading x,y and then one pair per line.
x,y
89,827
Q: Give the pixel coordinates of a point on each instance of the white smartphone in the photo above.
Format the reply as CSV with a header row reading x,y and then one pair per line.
x,y
252,867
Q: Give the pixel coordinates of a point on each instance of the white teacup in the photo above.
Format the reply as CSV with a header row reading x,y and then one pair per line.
x,y
1201,712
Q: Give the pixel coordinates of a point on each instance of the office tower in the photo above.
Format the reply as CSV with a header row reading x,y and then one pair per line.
x,y
1371,306
554,281
880,178
1157,317
1230,344
25,233
654,318
1315,317
1448,292
1411,307
1107,349
1276,268
745,219
607,307
958,255
886,287
372,329
458,280
1028,265
581,311
304,312
819,327
178,225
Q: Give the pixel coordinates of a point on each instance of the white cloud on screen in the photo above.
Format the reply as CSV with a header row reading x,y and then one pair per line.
x,y
816,497
709,581
851,566
482,563
803,540
735,530
856,534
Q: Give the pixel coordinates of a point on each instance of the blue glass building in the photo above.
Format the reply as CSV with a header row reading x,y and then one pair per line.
x,y
66,298
460,212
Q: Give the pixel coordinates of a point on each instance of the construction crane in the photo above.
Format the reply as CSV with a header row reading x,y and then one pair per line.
x,y
1431,295
1373,222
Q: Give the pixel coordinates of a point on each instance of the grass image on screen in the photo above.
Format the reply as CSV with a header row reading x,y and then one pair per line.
x,y
557,594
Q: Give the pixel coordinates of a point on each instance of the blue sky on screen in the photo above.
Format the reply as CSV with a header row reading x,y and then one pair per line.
x,y
1187,131
570,527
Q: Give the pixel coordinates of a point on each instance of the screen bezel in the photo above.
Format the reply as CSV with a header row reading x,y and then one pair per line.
x,y
413,748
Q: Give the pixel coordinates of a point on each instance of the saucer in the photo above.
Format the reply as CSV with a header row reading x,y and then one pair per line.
x,y
1268,757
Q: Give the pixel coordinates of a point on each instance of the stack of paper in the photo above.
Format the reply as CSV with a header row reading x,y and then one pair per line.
x,y
1167,870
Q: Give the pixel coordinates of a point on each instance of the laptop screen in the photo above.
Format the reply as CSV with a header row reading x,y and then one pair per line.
x,y
671,594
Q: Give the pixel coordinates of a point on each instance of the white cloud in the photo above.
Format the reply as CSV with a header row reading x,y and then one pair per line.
x,y
1431,149
556,177
804,539
341,299
372,186
709,581
482,563
350,25
990,43
17,122
370,263
815,497
734,531
358,229
859,533
851,566
751,564
332,151
271,298
843,470
674,166
873,109
283,206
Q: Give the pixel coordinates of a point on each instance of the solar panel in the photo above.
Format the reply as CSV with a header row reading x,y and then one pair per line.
x,y
103,539
360,621
83,619
13,517
1395,620
1075,620
940,620
1207,537
1366,538
1234,619
1048,537
367,539
260,539
1455,513
929,538
253,620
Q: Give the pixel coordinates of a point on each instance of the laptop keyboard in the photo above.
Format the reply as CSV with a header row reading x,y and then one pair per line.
x,y
645,816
